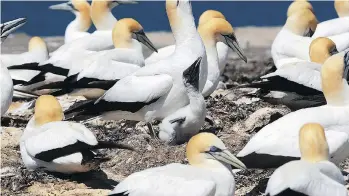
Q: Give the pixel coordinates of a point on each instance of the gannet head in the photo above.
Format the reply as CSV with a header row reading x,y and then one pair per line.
x,y
37,44
312,143
342,7
47,109
302,22
219,29
81,7
321,48
100,12
204,148
208,15
128,28
334,76
8,27
298,5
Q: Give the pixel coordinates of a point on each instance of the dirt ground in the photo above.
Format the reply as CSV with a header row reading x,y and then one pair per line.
x,y
236,119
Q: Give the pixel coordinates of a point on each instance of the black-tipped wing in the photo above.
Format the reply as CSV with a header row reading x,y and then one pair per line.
x,y
48,68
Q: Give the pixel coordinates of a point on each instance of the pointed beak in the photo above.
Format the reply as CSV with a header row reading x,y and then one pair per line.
x,y
61,6
120,2
309,33
141,37
8,27
226,157
233,44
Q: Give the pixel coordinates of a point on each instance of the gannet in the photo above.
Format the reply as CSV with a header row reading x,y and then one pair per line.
x,y
52,144
8,27
62,59
300,81
313,174
180,126
78,27
212,28
209,173
103,69
156,91
277,143
330,27
5,79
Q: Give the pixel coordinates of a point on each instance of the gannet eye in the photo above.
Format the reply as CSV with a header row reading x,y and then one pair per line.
x,y
215,149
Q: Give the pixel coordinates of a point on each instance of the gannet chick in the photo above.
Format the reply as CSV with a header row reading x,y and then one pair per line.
x,y
276,143
52,144
312,175
209,173
8,27
5,79
289,45
180,126
78,27
100,71
157,90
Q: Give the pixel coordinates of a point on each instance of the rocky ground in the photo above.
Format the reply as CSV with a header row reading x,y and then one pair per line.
x,y
236,119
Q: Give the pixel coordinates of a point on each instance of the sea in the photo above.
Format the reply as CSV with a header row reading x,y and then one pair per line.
x,y
42,21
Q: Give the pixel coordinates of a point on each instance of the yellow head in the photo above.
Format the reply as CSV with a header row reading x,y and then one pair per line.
x,y
47,109
302,22
312,143
217,29
122,32
173,7
208,15
36,43
321,48
297,6
206,148
84,9
332,73
342,7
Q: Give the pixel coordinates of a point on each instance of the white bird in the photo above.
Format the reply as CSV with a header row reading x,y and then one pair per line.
x,y
5,80
290,46
327,28
52,144
277,142
300,81
78,27
180,126
156,90
212,28
312,175
63,58
100,71
209,173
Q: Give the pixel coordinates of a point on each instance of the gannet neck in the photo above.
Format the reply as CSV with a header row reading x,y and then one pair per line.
x,y
82,20
342,8
47,109
38,45
334,86
181,21
301,22
320,49
101,15
298,5
209,14
312,143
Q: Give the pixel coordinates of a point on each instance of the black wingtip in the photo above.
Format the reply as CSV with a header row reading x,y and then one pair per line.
x,y
105,144
192,74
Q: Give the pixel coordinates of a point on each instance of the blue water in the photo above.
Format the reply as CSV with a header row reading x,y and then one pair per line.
x,y
152,16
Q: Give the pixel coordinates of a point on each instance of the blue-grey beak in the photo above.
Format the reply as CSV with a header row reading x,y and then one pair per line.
x,y
8,27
